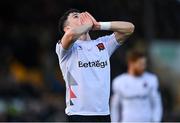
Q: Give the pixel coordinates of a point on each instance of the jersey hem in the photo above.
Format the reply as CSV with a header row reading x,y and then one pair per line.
x,y
89,113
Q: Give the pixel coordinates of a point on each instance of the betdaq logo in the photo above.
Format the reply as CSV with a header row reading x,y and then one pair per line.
x,y
93,64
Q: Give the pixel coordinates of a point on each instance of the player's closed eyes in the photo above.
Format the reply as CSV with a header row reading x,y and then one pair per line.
x,y
75,16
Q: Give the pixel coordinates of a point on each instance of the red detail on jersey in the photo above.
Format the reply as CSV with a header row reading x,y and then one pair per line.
x,y
72,95
100,46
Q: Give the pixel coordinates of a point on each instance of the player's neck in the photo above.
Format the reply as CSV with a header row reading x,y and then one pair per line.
x,y
85,37
133,73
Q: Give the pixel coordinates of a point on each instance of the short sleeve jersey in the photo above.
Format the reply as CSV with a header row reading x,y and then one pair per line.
x,y
86,70
136,92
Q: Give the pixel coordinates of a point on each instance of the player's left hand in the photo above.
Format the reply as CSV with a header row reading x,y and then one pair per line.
x,y
86,20
96,25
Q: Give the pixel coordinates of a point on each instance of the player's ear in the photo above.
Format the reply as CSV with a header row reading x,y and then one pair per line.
x,y
66,28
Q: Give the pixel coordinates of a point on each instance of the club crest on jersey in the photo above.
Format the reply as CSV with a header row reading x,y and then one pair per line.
x,y
145,85
100,46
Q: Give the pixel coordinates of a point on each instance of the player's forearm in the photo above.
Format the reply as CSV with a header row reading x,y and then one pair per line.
x,y
116,26
73,34
122,27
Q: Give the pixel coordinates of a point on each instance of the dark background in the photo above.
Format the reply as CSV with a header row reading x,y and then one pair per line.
x,y
31,84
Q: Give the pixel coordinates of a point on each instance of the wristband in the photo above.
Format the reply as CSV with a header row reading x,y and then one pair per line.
x,y
105,25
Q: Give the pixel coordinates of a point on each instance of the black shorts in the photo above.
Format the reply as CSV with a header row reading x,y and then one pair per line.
x,y
94,118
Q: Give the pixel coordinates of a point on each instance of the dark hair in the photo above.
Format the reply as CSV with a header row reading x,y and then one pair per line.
x,y
64,17
133,56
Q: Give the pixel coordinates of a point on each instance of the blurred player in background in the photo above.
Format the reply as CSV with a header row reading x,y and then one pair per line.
x,y
85,64
136,97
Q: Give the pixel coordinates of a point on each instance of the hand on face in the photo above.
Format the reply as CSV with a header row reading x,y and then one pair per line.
x,y
96,24
86,20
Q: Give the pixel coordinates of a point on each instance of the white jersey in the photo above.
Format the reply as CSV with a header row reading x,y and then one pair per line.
x,y
86,70
136,99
